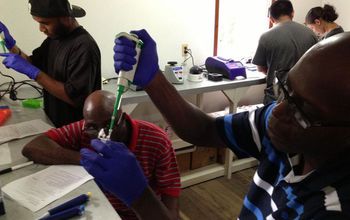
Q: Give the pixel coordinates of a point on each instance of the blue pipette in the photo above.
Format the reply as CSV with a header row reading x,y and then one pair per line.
x,y
77,201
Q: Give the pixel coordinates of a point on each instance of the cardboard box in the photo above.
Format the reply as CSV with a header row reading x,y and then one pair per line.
x,y
184,162
203,156
221,155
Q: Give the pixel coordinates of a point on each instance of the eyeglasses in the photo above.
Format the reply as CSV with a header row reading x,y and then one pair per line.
x,y
94,130
300,116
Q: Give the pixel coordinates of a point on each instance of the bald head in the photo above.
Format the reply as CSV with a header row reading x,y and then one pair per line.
x,y
322,77
99,103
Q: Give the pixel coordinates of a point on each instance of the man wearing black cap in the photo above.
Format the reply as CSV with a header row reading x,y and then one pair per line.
x,y
67,64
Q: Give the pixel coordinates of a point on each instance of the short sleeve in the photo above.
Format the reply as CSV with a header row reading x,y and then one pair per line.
x,y
260,57
68,136
244,132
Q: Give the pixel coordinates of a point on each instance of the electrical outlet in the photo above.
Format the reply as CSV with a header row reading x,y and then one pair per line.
x,y
184,48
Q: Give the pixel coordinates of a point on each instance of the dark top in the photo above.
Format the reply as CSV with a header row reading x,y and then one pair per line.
x,y
278,191
74,60
335,31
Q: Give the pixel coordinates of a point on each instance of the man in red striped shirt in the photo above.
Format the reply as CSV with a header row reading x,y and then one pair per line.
x,y
148,142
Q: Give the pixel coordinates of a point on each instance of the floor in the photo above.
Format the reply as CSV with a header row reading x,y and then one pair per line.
x,y
218,199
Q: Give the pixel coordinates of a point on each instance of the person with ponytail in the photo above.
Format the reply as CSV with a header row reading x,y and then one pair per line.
x,y
321,21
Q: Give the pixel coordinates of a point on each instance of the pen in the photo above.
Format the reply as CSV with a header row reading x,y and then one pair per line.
x,y
7,170
79,200
67,213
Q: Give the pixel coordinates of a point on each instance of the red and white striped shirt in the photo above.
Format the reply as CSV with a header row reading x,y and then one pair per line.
x,y
151,147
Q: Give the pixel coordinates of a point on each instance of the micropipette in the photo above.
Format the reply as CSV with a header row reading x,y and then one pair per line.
x,y
124,80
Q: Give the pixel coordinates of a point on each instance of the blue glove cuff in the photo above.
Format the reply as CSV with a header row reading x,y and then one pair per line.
x,y
33,72
10,43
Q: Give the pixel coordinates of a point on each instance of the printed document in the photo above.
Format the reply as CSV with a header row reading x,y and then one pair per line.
x,y
23,129
40,189
5,156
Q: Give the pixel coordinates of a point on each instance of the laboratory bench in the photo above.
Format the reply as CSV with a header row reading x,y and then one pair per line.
x,y
97,208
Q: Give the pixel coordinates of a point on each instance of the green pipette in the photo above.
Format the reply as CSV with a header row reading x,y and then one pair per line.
x,y
125,78
2,42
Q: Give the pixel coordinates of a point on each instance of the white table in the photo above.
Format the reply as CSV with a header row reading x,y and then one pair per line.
x,y
97,208
232,89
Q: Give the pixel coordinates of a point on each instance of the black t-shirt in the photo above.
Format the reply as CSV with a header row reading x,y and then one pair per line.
x,y
74,60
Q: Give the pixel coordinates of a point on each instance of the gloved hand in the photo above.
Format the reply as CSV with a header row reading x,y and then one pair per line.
x,y
124,57
9,41
116,169
20,64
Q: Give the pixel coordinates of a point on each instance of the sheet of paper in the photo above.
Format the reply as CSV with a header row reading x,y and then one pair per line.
x,y
5,156
40,189
23,129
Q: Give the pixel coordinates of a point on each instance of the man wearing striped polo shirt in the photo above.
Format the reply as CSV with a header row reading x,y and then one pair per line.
x,y
146,141
302,141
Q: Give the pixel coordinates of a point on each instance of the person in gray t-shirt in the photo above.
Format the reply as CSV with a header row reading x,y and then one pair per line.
x,y
282,46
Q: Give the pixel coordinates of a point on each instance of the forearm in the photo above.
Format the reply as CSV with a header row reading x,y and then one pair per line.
x,y
46,151
54,87
189,122
172,203
262,69
149,207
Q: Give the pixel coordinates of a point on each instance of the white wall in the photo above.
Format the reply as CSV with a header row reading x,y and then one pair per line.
x,y
171,23
301,7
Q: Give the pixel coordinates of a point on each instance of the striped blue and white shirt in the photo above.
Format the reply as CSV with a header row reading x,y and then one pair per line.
x,y
276,191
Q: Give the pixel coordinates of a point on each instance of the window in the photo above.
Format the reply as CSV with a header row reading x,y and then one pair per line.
x,y
240,25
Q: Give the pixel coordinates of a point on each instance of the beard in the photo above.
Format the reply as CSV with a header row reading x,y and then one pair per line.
x,y
60,30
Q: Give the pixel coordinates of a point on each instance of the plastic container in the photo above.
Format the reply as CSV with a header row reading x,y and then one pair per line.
x,y
5,113
31,103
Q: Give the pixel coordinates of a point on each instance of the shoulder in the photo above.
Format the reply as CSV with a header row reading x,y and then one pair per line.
x,y
153,135
83,40
151,129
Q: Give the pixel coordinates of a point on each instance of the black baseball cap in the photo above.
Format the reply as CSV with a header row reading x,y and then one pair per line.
x,y
54,8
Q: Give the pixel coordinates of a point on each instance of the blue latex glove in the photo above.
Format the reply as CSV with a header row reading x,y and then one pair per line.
x,y
124,58
116,169
20,64
9,41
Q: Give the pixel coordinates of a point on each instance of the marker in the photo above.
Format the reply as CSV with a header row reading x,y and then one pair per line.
x,y
7,170
67,213
79,200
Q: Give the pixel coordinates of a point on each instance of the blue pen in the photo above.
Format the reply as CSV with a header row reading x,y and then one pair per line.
x,y
67,213
69,204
